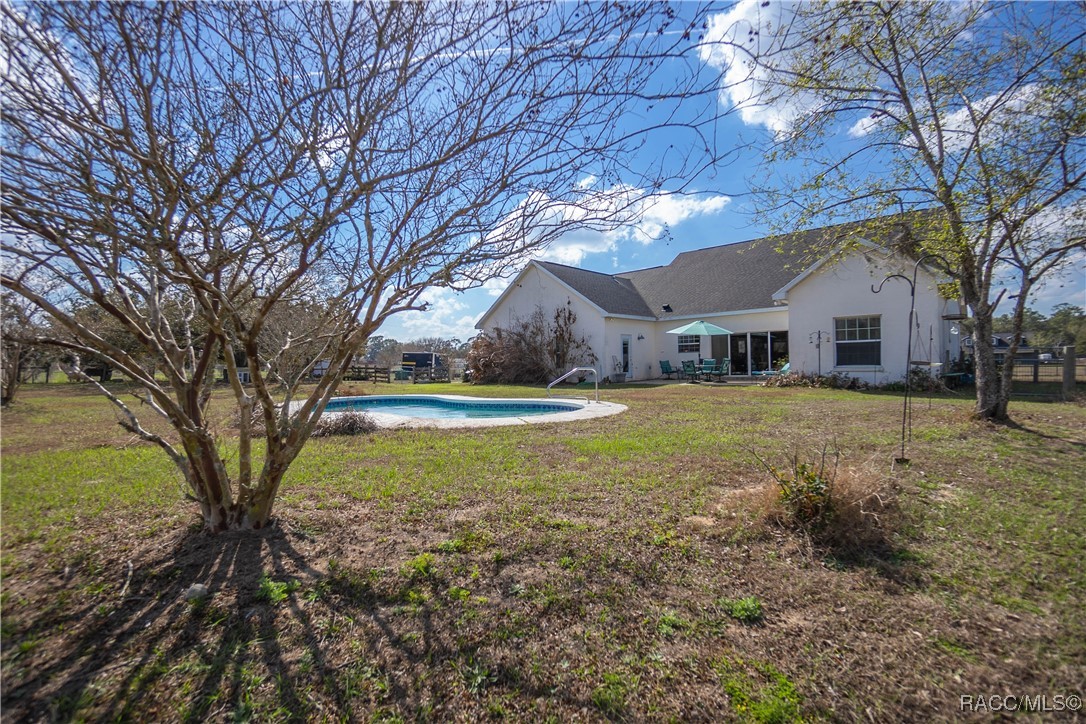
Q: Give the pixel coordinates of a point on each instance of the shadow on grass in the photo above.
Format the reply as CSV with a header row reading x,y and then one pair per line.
x,y
895,564
257,657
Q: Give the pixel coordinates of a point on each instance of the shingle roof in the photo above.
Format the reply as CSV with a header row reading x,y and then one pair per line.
x,y
613,294
727,278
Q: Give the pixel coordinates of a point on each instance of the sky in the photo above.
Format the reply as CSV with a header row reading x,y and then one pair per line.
x,y
720,211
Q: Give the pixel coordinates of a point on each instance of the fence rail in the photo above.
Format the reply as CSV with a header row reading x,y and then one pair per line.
x,y
1035,370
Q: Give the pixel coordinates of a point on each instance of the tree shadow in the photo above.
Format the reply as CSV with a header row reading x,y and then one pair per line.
x,y
218,651
1012,424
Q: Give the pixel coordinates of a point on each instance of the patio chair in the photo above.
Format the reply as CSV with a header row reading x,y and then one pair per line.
x,y
690,369
666,370
722,369
708,369
772,373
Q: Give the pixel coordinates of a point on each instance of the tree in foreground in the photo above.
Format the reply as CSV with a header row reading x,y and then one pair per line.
x,y
248,188
975,112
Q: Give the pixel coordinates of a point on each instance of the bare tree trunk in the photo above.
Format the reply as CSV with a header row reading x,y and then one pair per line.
x,y
991,402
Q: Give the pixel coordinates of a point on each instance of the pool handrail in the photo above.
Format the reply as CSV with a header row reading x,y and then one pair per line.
x,y
595,378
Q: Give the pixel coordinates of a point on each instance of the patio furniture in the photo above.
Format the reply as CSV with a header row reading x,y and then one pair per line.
x,y
772,373
690,369
666,370
707,369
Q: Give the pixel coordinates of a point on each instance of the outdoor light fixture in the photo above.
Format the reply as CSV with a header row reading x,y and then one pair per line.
x,y
640,337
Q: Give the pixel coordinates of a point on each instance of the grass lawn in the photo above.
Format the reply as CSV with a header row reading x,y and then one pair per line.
x,y
626,568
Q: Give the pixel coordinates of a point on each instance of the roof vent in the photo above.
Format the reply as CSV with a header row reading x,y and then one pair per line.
x,y
667,309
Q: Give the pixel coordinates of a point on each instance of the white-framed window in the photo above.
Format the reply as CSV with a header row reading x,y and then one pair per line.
x,y
858,341
689,343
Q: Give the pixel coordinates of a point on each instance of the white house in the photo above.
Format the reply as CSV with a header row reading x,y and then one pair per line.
x,y
823,317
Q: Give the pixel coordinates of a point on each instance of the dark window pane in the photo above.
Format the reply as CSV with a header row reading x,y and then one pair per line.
x,y
859,353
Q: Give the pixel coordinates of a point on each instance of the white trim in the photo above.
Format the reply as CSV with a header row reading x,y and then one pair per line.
x,y
706,315
781,294
630,316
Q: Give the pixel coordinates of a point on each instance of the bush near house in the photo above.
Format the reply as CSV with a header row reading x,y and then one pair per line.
x,y
533,350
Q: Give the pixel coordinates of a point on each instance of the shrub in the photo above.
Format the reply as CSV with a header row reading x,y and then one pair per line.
x,y
806,489
852,510
345,423
920,380
533,350
832,381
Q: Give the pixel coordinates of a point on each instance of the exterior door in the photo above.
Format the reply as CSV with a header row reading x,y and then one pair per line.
x,y
739,355
626,353
759,352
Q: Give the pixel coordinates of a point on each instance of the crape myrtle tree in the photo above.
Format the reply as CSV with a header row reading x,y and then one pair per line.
x,y
20,358
266,183
972,112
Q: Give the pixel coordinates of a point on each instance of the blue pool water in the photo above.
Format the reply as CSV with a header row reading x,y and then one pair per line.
x,y
437,408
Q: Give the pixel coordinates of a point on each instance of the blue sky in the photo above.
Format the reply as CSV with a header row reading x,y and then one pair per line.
x,y
718,212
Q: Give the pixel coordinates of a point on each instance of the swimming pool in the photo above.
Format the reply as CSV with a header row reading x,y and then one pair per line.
x,y
463,411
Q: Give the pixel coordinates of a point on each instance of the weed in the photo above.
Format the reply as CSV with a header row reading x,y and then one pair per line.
x,y
952,647
669,623
567,562
421,566
748,609
459,594
773,702
275,592
610,696
806,490
470,541
475,675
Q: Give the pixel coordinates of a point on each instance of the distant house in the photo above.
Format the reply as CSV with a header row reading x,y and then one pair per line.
x,y
822,316
1001,345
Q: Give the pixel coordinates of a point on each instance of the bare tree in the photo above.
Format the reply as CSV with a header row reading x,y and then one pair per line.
x,y
194,170
973,111
20,357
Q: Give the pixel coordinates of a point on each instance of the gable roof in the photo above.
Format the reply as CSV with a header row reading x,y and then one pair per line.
x,y
612,294
734,277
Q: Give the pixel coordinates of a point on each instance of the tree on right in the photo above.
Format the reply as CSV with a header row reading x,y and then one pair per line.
x,y
974,113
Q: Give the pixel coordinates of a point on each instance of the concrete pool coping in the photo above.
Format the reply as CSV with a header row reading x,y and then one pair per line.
x,y
589,410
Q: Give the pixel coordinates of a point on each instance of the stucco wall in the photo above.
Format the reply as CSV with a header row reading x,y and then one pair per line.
x,y
535,288
843,289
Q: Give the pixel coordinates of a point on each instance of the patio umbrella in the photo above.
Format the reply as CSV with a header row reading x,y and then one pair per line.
x,y
699,328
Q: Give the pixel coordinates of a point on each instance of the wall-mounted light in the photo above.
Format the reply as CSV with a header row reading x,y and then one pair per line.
x,y
640,337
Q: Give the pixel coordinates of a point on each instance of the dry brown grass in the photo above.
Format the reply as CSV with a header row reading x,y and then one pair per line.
x,y
571,572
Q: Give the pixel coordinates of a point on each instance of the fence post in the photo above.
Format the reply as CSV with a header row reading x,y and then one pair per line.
x,y
1068,372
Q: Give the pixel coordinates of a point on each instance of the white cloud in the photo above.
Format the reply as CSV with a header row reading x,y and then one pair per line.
x,y
730,41
645,219
496,287
448,316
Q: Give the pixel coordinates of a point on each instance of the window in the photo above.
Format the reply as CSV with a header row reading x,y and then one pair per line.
x,y
858,341
689,343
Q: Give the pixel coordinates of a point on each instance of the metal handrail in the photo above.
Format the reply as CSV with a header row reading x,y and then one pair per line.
x,y
595,378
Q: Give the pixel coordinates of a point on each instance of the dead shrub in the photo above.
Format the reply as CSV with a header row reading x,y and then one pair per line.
x,y
345,423
851,509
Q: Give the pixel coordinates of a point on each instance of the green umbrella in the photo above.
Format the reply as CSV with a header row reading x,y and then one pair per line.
x,y
699,328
